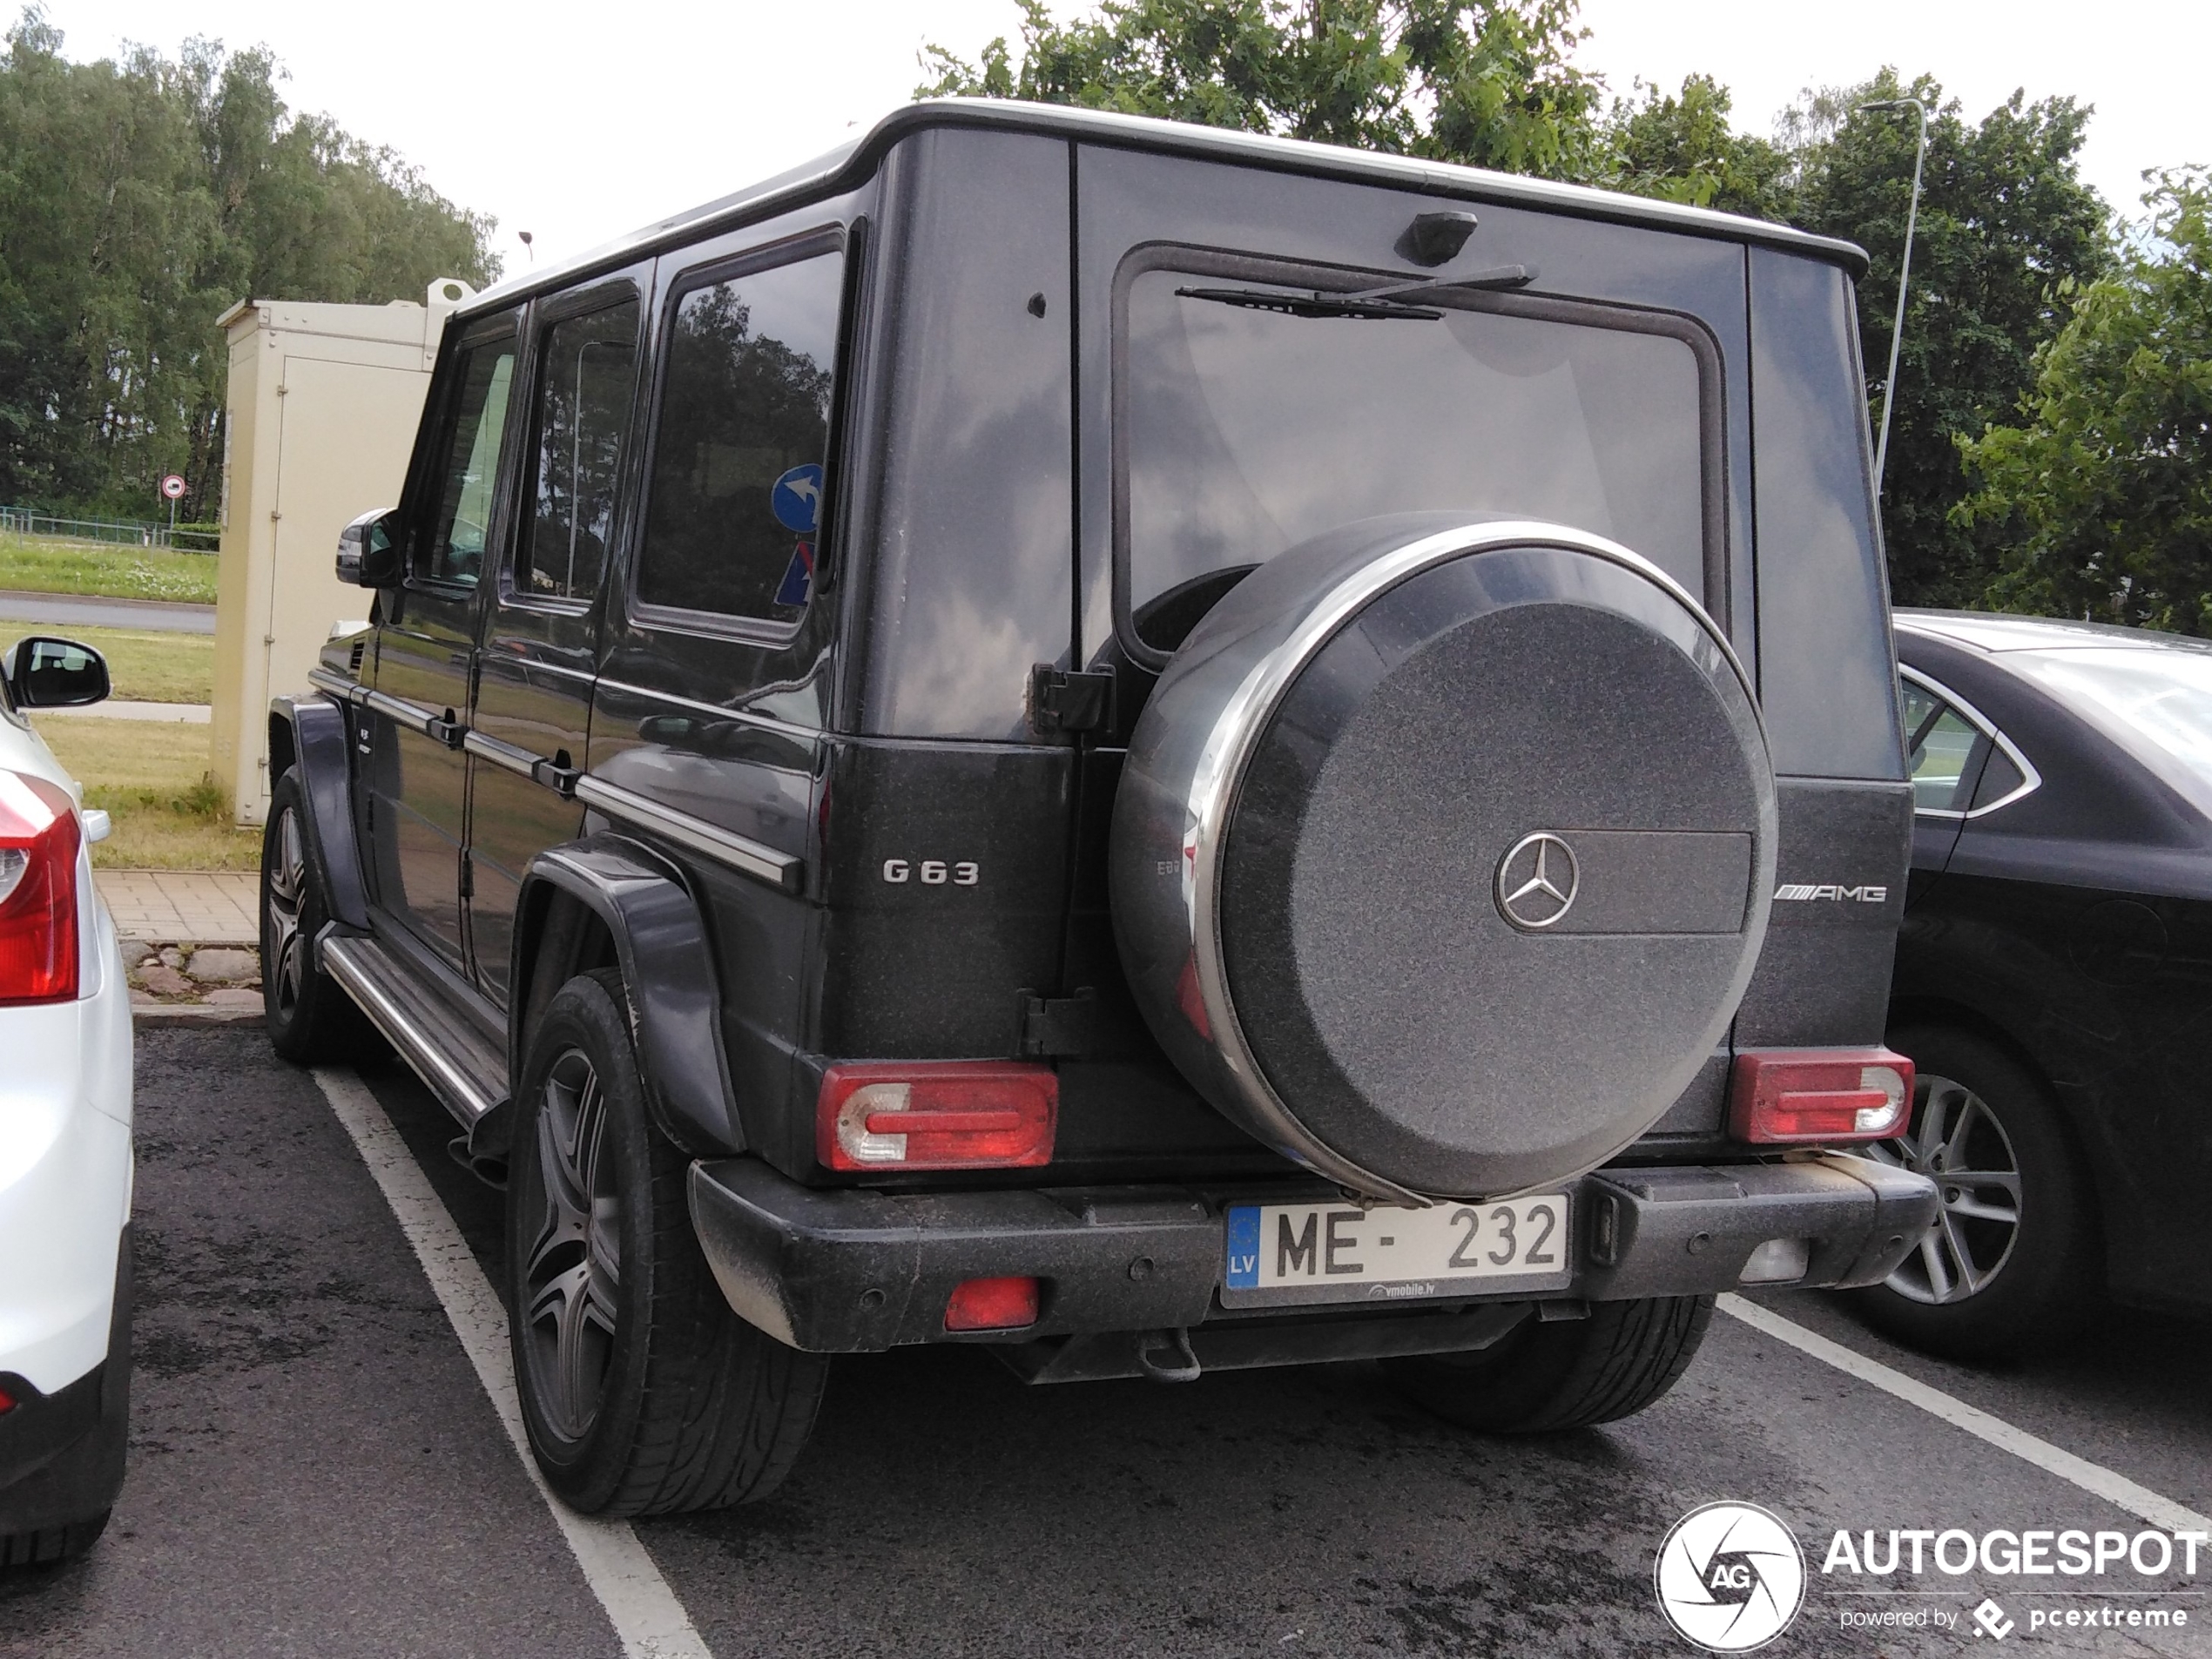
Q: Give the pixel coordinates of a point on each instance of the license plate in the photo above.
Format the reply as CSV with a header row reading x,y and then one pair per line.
x,y
1338,1253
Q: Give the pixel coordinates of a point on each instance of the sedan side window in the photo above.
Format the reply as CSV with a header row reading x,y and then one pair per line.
x,y
468,463
584,374
1940,751
738,482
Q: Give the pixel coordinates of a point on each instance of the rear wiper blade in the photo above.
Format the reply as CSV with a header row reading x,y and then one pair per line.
x,y
1503,276
1311,304
1398,300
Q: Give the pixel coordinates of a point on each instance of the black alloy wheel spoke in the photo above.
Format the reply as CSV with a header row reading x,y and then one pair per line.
x,y
287,879
573,1275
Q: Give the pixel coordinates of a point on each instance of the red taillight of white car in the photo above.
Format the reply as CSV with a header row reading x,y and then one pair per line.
x,y
937,1115
38,842
1819,1097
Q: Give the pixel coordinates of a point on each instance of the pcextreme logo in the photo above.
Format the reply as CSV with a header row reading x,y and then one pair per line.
x,y
1729,1577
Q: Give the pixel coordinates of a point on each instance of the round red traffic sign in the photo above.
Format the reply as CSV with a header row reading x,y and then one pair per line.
x,y
172,488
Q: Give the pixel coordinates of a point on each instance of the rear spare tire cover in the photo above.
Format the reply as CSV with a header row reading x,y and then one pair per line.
x,y
1443,852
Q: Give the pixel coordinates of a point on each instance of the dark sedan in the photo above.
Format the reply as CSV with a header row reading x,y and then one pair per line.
x,y
2055,975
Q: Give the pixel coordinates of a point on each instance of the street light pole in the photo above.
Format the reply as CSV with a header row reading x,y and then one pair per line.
x,y
1904,275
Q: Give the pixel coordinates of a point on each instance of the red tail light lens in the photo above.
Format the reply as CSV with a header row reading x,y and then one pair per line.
x,y
1798,1097
992,1305
947,1114
38,841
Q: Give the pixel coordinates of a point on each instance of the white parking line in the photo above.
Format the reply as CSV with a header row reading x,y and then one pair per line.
x,y
648,1619
2095,1477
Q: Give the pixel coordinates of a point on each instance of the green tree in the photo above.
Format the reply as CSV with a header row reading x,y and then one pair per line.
x,y
2006,226
1487,83
1680,147
138,201
2105,486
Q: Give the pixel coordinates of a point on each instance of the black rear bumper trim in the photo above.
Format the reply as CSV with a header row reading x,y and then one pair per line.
x,y
850,1271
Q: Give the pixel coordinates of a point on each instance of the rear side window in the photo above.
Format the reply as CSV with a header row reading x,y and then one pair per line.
x,y
468,463
586,368
738,482
1252,423
1939,749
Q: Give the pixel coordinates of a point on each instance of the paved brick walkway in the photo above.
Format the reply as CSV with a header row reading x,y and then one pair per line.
x,y
184,907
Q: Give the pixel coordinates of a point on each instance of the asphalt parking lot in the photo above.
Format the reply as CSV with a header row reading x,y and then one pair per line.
x,y
317,1468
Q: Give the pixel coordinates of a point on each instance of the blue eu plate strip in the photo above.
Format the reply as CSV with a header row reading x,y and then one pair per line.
x,y
1244,1247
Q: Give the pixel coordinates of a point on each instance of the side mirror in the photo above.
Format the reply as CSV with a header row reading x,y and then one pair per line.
x,y
369,553
44,673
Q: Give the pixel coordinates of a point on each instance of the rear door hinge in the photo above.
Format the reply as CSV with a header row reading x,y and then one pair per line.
x,y
468,877
1058,1027
1061,700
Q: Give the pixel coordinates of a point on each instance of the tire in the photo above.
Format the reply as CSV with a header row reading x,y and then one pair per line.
x,y
1544,1379
1350,801
310,1018
1980,1287
642,1392
50,1546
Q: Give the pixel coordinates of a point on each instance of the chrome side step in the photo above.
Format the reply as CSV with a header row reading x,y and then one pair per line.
x,y
447,1051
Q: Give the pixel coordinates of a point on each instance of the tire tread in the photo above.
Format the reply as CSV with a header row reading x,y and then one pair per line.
x,y
723,1410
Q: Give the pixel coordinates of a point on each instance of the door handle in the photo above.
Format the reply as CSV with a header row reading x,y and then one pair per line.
x,y
445,729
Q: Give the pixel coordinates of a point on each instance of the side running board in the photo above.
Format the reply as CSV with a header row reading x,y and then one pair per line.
x,y
454,1059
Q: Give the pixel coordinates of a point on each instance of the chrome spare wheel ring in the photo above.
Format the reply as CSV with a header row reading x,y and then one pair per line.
x,y
1958,1143
287,882
573,1278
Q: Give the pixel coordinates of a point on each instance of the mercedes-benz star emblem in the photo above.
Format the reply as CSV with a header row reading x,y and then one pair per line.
x,y
1537,881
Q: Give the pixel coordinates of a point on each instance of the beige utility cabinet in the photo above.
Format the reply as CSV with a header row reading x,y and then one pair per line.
x,y
322,409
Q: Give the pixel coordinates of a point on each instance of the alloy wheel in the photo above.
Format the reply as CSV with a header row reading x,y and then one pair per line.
x,y
1958,1143
288,883
573,1276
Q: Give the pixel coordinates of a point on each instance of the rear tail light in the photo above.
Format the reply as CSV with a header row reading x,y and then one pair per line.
x,y
948,1115
1796,1096
38,841
992,1305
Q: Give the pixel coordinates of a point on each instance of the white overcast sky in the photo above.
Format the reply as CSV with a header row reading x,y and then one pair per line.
x,y
577,122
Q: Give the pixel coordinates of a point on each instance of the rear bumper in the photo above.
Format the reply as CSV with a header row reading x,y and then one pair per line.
x,y
850,1271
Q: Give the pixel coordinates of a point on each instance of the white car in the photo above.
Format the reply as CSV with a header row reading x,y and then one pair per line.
x,y
66,1160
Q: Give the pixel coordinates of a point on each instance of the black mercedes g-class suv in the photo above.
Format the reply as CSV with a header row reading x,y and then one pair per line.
x,y
1158,748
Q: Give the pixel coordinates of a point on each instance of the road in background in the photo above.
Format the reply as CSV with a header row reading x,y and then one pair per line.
x,y
315,1468
89,611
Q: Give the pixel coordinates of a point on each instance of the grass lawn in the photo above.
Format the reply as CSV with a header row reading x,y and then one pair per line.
x,y
44,565
145,667
152,779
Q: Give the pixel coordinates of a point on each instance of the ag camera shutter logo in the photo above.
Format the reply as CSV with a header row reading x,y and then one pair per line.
x,y
1729,1577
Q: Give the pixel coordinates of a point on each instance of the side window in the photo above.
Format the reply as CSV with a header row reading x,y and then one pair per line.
x,y
1939,749
467,473
585,370
737,485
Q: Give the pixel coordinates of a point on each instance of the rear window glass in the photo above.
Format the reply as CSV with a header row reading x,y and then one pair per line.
x,y
737,479
1250,430
2155,703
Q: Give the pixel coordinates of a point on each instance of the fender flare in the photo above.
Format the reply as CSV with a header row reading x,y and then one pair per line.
x,y
667,974
312,733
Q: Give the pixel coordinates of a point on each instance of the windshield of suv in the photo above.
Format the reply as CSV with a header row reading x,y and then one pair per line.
x,y
1251,430
2156,705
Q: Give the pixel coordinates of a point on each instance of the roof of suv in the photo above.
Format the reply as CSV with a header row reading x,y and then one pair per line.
x,y
846,166
1991,632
